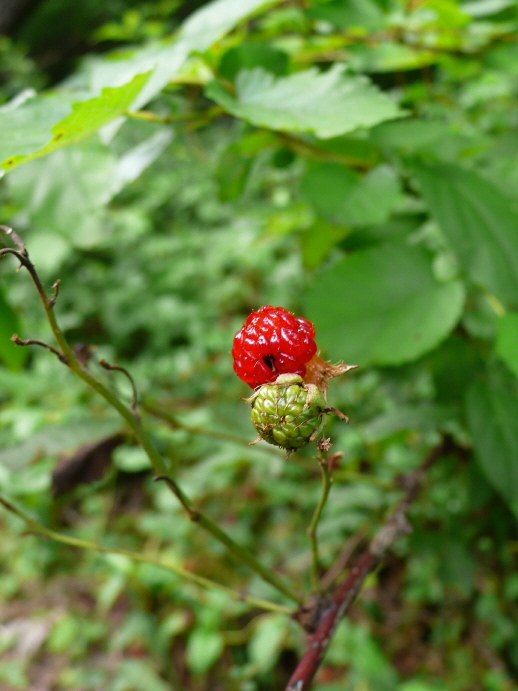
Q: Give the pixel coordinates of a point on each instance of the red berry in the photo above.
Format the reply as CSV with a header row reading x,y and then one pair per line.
x,y
272,341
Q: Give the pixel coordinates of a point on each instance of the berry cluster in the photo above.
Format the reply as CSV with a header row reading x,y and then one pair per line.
x,y
272,341
275,353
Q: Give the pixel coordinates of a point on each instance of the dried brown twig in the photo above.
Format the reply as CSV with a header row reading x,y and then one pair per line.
x,y
330,611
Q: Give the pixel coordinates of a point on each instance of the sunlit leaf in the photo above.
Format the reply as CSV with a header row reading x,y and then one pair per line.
x,y
39,126
197,34
86,118
324,103
26,126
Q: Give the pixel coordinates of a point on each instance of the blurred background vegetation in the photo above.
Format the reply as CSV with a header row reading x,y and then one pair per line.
x,y
353,161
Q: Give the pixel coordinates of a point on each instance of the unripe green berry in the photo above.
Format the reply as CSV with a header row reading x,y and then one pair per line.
x,y
288,413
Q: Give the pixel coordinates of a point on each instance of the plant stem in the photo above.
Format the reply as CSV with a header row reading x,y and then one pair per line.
x,y
495,304
201,581
314,151
194,117
327,481
236,550
67,356
333,608
174,423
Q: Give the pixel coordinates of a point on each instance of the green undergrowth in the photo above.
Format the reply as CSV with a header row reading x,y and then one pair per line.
x,y
352,162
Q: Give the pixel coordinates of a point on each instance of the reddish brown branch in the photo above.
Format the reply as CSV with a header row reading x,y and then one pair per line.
x,y
330,614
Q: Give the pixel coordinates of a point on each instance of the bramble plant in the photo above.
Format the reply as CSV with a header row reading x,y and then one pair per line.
x,y
286,413
353,162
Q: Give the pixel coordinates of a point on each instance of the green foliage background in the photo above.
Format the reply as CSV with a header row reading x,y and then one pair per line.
x,y
352,161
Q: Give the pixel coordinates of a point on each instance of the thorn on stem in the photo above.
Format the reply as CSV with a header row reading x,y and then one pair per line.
x,y
55,288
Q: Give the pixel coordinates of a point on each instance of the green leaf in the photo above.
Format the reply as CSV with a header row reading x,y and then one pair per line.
x,y
14,674
130,459
492,414
457,566
343,197
353,150
484,8
138,676
249,55
44,124
383,305
324,103
479,224
12,356
266,643
389,56
134,161
198,33
232,173
85,119
208,24
413,135
454,366
57,439
507,340
25,126
362,13
66,192
203,649
416,685
318,240
424,416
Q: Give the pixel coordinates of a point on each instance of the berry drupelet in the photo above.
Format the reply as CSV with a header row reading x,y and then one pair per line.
x,y
272,341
